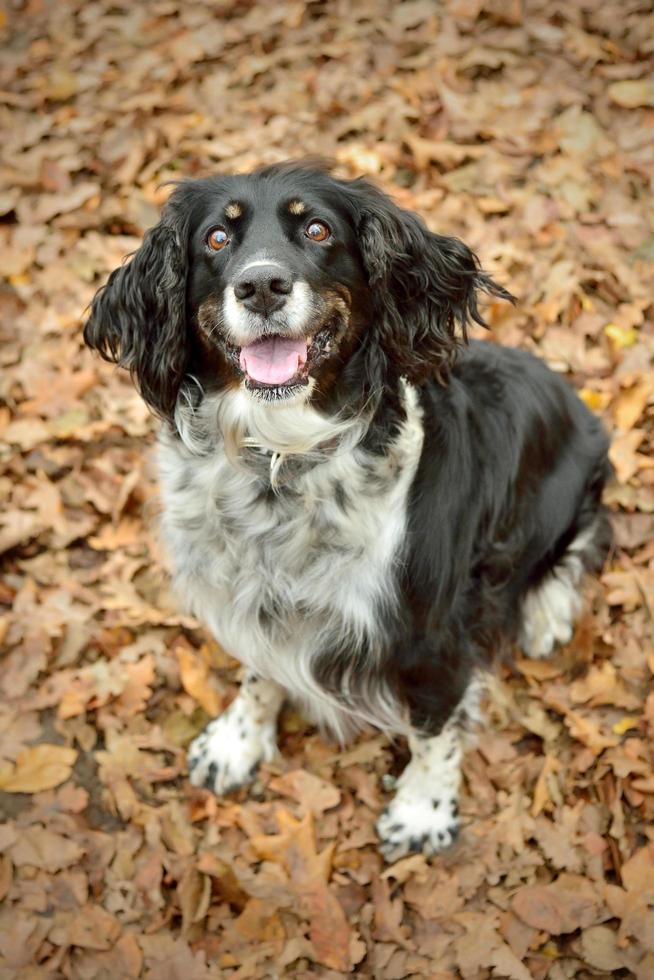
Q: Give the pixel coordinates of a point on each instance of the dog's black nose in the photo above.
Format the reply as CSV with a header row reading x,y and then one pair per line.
x,y
263,288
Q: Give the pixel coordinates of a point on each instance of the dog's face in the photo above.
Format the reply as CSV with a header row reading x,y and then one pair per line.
x,y
276,285
291,284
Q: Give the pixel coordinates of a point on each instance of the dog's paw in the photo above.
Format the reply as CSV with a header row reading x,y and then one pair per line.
x,y
414,822
549,616
228,752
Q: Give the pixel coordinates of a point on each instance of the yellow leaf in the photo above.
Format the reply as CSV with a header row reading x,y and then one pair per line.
x,y
37,768
625,725
620,337
596,401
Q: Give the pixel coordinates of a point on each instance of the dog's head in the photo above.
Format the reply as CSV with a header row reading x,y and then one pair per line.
x,y
287,282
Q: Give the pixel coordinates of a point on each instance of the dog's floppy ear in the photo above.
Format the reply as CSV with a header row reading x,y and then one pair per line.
x,y
425,286
138,320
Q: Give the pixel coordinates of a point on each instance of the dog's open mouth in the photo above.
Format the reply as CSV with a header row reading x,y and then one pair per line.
x,y
280,365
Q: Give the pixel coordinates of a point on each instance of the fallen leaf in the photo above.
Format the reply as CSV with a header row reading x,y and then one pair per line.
x,y
294,848
567,904
601,950
313,794
622,454
39,767
195,676
39,847
632,94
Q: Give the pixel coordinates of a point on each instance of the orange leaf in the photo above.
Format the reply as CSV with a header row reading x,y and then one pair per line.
x,y
295,848
194,674
631,402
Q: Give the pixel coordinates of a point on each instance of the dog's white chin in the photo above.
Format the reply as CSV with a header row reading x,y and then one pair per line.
x,y
292,394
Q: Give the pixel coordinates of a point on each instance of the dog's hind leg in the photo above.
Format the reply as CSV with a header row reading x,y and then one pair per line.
x,y
552,607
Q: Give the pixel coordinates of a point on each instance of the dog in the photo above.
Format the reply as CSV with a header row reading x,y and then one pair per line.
x,y
363,507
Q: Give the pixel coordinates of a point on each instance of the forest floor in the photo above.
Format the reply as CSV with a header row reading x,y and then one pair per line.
x,y
530,136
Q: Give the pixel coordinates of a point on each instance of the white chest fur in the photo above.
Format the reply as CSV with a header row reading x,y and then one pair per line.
x,y
283,578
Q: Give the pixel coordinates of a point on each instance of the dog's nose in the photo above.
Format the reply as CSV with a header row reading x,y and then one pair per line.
x,y
263,288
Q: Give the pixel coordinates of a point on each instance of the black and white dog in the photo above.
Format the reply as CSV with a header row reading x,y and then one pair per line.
x,y
364,510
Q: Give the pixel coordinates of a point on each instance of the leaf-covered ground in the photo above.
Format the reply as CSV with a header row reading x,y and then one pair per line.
x,y
530,135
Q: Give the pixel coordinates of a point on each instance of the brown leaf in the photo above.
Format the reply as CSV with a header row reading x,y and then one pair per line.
x,y
91,927
37,768
41,848
195,676
194,892
588,732
623,455
601,685
567,904
542,797
259,923
294,847
313,794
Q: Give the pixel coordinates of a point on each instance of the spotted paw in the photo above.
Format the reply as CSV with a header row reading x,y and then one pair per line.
x,y
413,823
228,752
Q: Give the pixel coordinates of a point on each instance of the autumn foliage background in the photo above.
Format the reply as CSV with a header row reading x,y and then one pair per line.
x,y
530,134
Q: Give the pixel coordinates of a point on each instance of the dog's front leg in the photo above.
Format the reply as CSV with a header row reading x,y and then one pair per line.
x,y
424,813
228,752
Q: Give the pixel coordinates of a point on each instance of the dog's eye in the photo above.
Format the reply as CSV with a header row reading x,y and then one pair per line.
x,y
317,231
217,239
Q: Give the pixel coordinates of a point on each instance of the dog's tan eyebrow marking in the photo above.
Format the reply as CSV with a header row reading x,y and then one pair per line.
x,y
297,207
233,210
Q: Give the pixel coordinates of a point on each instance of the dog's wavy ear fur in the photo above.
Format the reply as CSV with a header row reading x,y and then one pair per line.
x,y
138,320
425,286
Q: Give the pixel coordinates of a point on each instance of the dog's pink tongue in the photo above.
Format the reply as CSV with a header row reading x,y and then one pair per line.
x,y
273,360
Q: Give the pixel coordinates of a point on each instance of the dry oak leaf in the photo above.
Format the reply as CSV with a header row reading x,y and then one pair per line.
x,y
626,461
482,946
542,794
633,904
194,893
630,93
629,588
37,768
588,732
259,922
44,849
600,949
601,685
314,795
91,927
195,677
295,849
630,404
567,904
